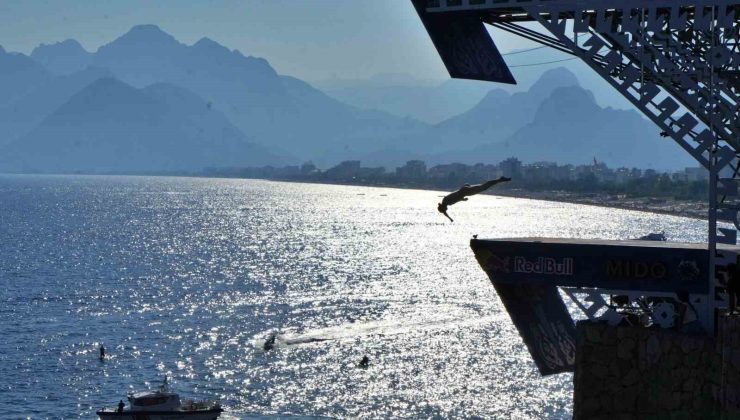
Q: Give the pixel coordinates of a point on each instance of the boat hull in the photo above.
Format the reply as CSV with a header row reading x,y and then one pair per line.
x,y
161,415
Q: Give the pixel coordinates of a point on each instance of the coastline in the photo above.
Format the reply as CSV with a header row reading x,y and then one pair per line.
x,y
658,205
667,206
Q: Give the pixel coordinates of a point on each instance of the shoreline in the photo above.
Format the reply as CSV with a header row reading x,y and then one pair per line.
x,y
664,205
668,206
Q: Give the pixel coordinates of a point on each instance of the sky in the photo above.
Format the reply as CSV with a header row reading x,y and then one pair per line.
x,y
311,39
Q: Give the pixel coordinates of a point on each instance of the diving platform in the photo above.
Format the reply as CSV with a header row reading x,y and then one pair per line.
x,y
622,283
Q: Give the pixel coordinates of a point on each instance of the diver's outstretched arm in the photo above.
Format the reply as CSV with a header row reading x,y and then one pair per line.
x,y
448,216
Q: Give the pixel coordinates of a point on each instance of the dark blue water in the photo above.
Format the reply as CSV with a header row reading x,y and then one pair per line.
x,y
187,277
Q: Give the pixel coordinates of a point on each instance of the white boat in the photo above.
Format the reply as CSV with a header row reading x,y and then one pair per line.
x,y
161,405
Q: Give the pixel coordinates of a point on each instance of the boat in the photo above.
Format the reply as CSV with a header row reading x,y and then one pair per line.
x,y
659,236
161,405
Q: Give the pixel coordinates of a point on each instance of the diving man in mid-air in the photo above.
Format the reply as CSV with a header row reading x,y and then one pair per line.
x,y
465,191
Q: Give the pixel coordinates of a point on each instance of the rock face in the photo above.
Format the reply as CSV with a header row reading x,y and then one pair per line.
x,y
646,373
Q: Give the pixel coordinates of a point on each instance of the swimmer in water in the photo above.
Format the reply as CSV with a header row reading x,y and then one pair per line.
x,y
269,343
365,362
464,192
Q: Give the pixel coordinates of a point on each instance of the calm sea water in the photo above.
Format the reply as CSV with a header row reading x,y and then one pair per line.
x,y
187,277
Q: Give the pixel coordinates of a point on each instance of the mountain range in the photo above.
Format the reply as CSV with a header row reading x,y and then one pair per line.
x,y
110,126
573,124
404,96
435,101
147,102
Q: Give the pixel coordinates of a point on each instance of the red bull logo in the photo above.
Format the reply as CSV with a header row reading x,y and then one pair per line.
x,y
544,265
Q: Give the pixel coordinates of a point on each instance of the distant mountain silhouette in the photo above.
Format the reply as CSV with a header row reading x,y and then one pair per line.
x,y
527,74
569,127
113,111
499,115
62,58
22,115
19,74
496,117
112,127
277,110
404,96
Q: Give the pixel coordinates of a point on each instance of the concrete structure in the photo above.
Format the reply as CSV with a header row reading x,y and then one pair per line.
x,y
640,373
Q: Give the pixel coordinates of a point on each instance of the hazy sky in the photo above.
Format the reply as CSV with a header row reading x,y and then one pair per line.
x,y
310,39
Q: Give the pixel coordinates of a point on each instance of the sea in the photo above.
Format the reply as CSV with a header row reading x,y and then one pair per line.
x,y
187,278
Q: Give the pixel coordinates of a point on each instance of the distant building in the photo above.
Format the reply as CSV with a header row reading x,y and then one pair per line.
x,y
583,171
481,172
346,170
602,172
696,174
376,172
565,173
413,169
621,176
539,171
511,167
679,176
452,171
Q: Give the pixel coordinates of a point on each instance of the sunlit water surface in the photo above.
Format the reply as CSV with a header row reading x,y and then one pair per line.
x,y
187,277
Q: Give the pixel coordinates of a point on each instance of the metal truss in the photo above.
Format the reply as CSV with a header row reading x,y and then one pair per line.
x,y
665,310
679,64
679,67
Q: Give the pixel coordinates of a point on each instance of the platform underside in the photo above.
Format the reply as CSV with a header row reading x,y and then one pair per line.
x,y
528,272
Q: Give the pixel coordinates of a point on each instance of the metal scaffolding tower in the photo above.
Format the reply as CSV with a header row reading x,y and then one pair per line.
x,y
677,62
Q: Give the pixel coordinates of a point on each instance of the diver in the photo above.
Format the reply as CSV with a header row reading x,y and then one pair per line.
x,y
464,192
102,352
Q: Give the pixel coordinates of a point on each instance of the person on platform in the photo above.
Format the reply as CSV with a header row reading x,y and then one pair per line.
x,y
120,406
464,192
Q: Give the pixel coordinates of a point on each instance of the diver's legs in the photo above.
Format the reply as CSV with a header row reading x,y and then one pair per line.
x,y
479,188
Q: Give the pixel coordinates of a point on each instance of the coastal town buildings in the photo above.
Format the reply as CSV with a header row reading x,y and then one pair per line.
x,y
591,178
